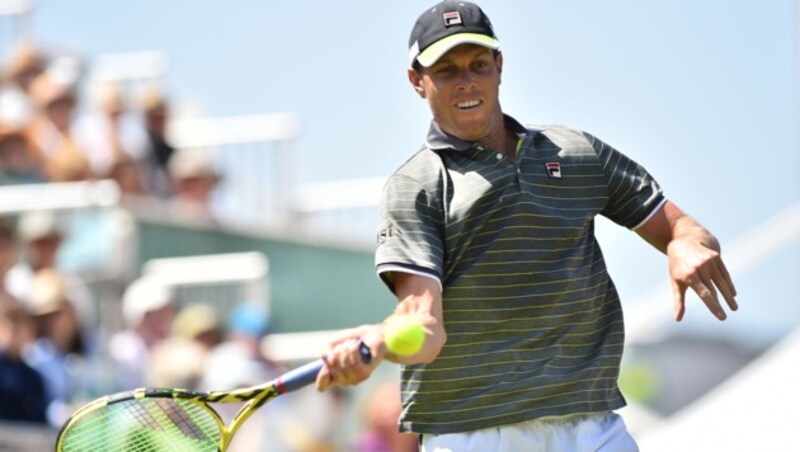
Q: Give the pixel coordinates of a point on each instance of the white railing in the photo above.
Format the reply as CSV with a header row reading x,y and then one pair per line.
x,y
15,23
256,157
17,199
219,280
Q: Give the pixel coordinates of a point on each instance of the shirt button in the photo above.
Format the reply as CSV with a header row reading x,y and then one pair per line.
x,y
499,156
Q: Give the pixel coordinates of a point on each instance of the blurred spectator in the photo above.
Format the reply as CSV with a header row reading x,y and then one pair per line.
x,y
176,362
8,252
40,234
22,393
127,174
148,310
61,349
19,163
26,63
156,114
381,413
179,360
194,177
238,361
113,139
198,322
50,129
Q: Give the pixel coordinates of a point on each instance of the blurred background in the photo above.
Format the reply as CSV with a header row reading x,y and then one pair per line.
x,y
188,193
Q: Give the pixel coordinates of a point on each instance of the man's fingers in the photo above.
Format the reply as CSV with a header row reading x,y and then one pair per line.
x,y
723,281
678,296
323,377
343,366
706,291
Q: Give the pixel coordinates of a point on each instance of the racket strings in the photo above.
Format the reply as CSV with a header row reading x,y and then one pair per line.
x,y
146,425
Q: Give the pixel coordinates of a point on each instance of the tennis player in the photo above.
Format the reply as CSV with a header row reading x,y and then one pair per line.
x,y
487,235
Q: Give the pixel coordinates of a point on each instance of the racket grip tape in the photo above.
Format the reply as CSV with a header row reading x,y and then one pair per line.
x,y
307,374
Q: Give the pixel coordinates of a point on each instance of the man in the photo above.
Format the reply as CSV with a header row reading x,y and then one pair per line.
x,y
487,236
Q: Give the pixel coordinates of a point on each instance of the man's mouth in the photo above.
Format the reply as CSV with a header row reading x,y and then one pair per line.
x,y
468,104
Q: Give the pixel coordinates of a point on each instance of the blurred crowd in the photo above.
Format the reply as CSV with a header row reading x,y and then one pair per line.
x,y
57,127
53,355
51,360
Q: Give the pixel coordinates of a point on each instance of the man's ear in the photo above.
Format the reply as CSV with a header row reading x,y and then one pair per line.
x,y
416,81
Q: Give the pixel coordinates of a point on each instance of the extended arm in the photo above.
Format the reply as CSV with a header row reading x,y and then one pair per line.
x,y
417,295
694,259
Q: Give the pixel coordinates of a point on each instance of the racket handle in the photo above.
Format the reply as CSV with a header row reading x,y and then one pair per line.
x,y
307,374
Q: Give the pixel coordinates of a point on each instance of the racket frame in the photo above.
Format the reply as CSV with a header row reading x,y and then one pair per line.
x,y
253,398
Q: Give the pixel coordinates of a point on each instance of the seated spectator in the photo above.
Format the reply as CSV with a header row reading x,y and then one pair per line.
x,y
8,252
148,310
198,322
50,130
22,393
179,360
19,163
110,134
156,114
176,362
127,173
26,63
194,178
238,361
61,349
41,235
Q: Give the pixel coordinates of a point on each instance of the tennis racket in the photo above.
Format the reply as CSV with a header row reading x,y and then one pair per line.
x,y
174,419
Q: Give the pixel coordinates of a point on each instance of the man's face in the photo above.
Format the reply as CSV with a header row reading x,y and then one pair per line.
x,y
462,90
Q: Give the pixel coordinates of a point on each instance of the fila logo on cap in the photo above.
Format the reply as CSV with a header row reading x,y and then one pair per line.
x,y
451,18
553,169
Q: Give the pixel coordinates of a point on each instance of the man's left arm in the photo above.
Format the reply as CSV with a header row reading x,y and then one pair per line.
x,y
694,259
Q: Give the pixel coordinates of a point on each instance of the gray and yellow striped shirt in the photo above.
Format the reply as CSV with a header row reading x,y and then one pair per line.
x,y
534,323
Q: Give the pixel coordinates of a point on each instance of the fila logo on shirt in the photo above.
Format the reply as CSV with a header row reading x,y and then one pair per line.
x,y
553,169
451,18
386,234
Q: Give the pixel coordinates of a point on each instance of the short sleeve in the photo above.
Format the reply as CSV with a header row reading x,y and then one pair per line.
x,y
410,230
633,194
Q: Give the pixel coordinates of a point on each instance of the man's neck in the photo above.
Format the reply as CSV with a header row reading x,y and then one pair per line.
x,y
504,140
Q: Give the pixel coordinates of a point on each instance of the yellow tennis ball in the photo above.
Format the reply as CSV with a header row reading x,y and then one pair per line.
x,y
404,335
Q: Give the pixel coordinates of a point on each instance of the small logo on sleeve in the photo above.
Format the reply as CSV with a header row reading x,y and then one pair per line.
x,y
451,18
553,169
386,234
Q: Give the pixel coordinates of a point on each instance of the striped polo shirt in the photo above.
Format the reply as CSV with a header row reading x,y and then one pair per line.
x,y
534,324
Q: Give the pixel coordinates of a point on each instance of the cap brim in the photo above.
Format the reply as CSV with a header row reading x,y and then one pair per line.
x,y
435,51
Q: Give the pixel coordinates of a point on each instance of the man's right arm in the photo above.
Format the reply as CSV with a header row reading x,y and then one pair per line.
x,y
421,297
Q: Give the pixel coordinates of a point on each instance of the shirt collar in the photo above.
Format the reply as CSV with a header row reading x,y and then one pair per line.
x,y
438,139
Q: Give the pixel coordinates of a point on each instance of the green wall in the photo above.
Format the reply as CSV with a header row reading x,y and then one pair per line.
x,y
312,286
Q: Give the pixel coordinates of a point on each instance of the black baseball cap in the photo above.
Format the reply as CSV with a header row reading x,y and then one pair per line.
x,y
446,25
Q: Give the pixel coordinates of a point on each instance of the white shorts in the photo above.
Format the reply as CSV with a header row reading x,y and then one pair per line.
x,y
604,431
